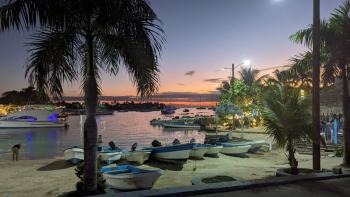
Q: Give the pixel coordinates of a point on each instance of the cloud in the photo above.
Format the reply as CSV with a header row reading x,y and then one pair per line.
x,y
213,80
180,84
190,73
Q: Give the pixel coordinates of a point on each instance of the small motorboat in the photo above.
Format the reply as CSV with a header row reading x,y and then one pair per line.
x,y
158,121
234,149
182,125
139,156
213,150
198,151
74,155
168,110
128,177
109,155
255,145
172,153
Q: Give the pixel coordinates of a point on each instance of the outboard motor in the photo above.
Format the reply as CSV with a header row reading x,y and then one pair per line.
x,y
112,145
156,143
133,147
176,142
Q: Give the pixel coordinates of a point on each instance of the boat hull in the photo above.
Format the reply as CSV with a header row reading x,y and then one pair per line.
x,y
143,179
198,152
172,153
230,149
183,126
213,151
255,145
138,156
34,124
74,155
110,157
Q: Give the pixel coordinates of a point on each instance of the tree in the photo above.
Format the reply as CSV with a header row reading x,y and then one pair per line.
x,y
250,78
26,96
82,38
286,118
335,42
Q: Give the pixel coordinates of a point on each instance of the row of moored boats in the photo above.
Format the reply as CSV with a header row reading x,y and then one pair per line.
x,y
129,177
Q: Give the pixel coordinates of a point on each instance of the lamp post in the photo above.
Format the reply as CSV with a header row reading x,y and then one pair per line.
x,y
245,63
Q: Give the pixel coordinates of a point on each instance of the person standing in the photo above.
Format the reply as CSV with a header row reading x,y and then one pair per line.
x,y
99,143
15,152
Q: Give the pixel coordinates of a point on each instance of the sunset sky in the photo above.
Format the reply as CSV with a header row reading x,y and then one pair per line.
x,y
203,36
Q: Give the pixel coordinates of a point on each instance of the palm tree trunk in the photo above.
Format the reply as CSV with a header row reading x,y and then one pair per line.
x,y
316,155
346,112
90,126
292,160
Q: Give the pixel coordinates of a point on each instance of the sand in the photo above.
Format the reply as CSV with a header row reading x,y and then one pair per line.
x,y
51,177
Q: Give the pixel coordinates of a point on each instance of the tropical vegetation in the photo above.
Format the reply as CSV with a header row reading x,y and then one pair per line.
x,y
287,118
26,96
335,45
79,40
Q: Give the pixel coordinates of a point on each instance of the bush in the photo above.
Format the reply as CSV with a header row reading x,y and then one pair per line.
x,y
79,172
339,152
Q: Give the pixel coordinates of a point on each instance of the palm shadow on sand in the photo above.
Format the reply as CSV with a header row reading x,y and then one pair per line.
x,y
56,165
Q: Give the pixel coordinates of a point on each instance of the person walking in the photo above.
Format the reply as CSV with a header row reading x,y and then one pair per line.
x,y
15,152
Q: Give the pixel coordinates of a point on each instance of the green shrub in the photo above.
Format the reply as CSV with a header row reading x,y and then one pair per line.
x,y
339,152
79,172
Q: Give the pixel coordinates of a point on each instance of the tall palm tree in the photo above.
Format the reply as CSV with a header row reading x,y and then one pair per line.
x,y
316,122
335,41
286,118
83,38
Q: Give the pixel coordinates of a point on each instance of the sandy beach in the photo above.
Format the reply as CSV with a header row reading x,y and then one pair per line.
x,y
51,177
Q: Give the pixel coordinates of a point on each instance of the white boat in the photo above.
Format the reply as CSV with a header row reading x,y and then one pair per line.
x,y
138,156
213,150
198,151
127,177
232,149
177,153
181,125
74,155
109,156
31,119
255,145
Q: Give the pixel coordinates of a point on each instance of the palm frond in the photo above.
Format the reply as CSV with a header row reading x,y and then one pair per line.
x,y
286,115
28,14
52,61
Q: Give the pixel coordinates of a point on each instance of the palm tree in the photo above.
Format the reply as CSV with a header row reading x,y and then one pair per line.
x,y
301,70
249,76
286,118
335,42
82,38
316,122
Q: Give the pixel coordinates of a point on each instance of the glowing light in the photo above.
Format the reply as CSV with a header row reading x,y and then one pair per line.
x,y
246,62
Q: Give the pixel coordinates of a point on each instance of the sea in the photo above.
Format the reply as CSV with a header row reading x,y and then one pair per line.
x,y
123,128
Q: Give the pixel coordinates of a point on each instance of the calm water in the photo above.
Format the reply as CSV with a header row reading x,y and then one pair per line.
x,y
124,128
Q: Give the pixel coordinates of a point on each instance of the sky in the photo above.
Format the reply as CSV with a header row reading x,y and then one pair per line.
x,y
203,36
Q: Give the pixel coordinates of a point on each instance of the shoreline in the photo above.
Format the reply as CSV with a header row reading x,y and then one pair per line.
x,y
50,177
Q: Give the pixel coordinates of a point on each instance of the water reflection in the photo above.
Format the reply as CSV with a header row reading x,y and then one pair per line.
x,y
122,128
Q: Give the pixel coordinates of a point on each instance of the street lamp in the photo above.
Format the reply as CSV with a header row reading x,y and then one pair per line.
x,y
245,62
